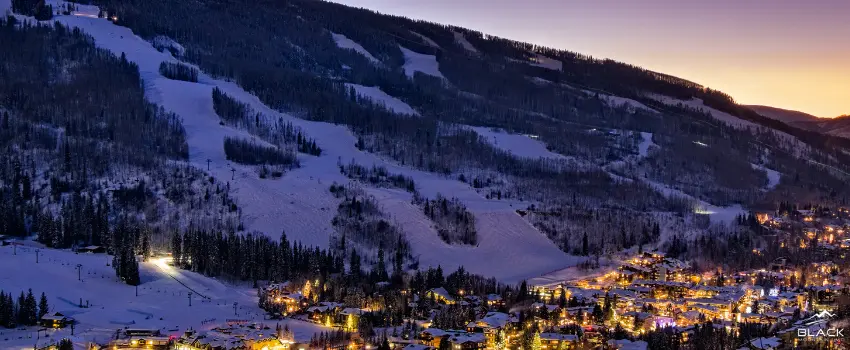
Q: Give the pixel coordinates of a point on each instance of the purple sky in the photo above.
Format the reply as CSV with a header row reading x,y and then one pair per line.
x,y
792,54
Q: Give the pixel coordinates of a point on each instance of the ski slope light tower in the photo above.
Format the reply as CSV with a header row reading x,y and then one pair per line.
x,y
190,298
80,272
37,251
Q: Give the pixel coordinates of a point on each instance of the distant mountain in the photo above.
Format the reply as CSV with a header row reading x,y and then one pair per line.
x,y
839,126
783,115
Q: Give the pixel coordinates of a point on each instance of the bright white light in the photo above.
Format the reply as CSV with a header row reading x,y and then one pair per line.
x,y
163,263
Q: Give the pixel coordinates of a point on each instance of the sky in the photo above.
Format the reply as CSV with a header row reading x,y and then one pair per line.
x,y
789,54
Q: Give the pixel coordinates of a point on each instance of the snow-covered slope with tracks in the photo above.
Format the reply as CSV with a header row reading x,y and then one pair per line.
x,y
418,62
520,145
378,96
299,203
343,42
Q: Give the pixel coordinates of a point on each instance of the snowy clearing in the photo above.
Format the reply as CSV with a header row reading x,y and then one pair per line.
x,y
525,146
697,104
460,39
162,301
417,62
345,43
716,213
773,176
426,39
509,248
617,101
380,97
546,62
645,144
299,203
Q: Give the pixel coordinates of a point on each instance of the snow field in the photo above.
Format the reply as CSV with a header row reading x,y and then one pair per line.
x,y
509,248
343,42
460,39
378,96
417,62
520,145
426,39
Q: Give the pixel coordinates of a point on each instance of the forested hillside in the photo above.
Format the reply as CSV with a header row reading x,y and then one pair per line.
x,y
560,97
87,160
633,146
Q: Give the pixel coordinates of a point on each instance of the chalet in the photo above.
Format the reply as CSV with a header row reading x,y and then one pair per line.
x,y
491,323
468,341
55,320
765,343
418,347
625,344
495,300
440,295
324,312
558,341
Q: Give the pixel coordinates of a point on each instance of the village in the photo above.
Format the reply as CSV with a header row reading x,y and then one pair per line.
x,y
647,300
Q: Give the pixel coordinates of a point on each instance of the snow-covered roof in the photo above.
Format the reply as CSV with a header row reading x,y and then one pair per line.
x,y
625,344
766,343
468,337
443,293
558,336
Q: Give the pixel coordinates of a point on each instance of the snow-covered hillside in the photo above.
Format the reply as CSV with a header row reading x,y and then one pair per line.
x,y
378,96
299,203
426,39
546,62
343,42
463,42
698,104
417,62
162,301
617,101
507,241
520,145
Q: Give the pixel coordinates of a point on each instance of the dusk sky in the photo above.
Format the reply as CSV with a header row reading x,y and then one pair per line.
x,y
783,53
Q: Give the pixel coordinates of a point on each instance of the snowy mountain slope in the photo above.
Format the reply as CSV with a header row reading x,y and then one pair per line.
x,y
417,62
509,248
460,39
696,103
546,62
378,96
773,176
343,42
300,203
645,144
162,301
520,145
426,39
617,101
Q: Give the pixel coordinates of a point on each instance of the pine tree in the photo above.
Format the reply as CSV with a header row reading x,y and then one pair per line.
x,y
66,344
31,310
43,308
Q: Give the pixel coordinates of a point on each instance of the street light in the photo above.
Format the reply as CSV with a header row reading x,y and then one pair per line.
x,y
36,255
79,272
190,298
